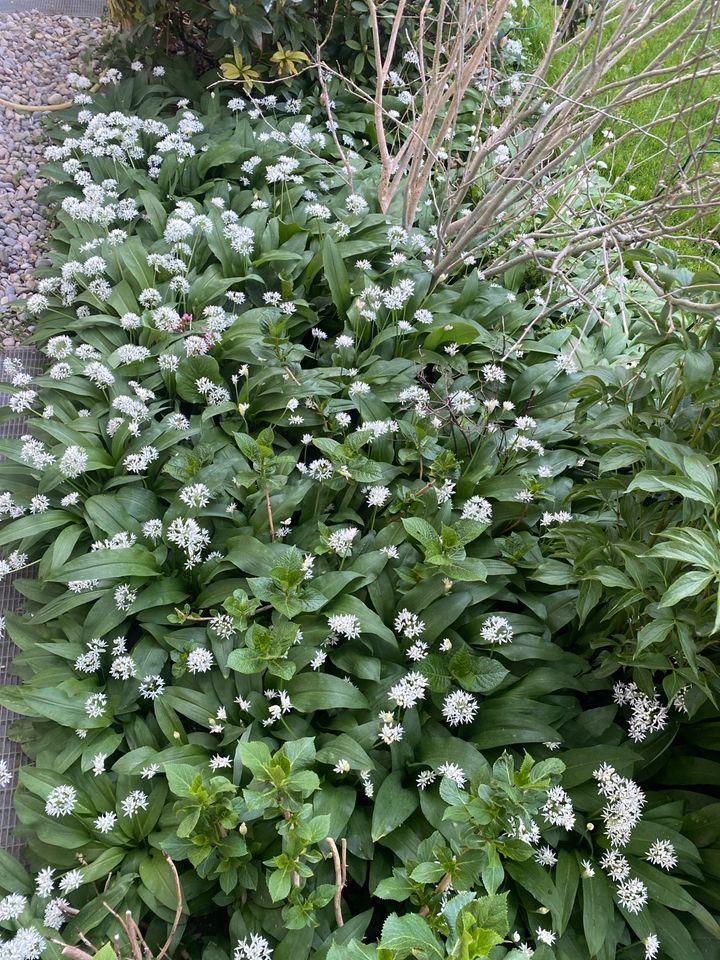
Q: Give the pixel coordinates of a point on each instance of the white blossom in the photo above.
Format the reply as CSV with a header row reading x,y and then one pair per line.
x,y
134,801
497,630
632,895
546,857
106,821
409,624
345,624
459,707
478,509
425,778
453,772
254,947
652,946
73,462
12,906
558,808
623,808
410,690
341,540
661,853
61,801
200,660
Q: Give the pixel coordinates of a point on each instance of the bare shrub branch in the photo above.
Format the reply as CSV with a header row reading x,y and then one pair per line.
x,y
518,182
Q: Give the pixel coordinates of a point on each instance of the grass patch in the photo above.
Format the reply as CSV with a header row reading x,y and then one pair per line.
x,y
639,161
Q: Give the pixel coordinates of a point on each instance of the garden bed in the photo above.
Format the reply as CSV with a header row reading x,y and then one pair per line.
x,y
369,607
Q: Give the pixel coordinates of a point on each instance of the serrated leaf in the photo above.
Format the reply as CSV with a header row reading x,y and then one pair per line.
x,y
409,934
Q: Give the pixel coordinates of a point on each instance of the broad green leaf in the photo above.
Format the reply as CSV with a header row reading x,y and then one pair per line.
x,y
652,483
104,864
255,756
687,585
393,805
598,910
323,691
105,953
110,565
654,632
344,747
33,526
410,934
421,530
156,874
336,275
180,778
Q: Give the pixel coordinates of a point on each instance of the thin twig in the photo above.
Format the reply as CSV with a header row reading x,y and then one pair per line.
x,y
269,514
75,953
178,910
132,923
441,887
339,878
117,916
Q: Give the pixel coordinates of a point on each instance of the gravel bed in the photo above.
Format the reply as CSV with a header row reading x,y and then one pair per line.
x,y
37,51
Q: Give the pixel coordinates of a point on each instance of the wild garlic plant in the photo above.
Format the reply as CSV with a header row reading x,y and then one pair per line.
x,y
298,623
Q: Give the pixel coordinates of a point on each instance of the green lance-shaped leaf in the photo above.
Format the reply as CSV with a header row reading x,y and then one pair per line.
x,y
393,805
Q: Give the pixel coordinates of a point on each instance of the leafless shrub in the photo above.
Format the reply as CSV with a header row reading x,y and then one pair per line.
x,y
515,189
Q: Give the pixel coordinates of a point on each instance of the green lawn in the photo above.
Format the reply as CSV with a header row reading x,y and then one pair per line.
x,y
645,153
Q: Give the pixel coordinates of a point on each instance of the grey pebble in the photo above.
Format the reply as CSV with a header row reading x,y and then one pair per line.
x,y
54,46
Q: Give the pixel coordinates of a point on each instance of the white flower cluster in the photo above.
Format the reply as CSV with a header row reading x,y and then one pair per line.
x,y
621,814
647,714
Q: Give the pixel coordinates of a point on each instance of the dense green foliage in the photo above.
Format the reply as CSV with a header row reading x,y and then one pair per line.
x,y
264,36
337,562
